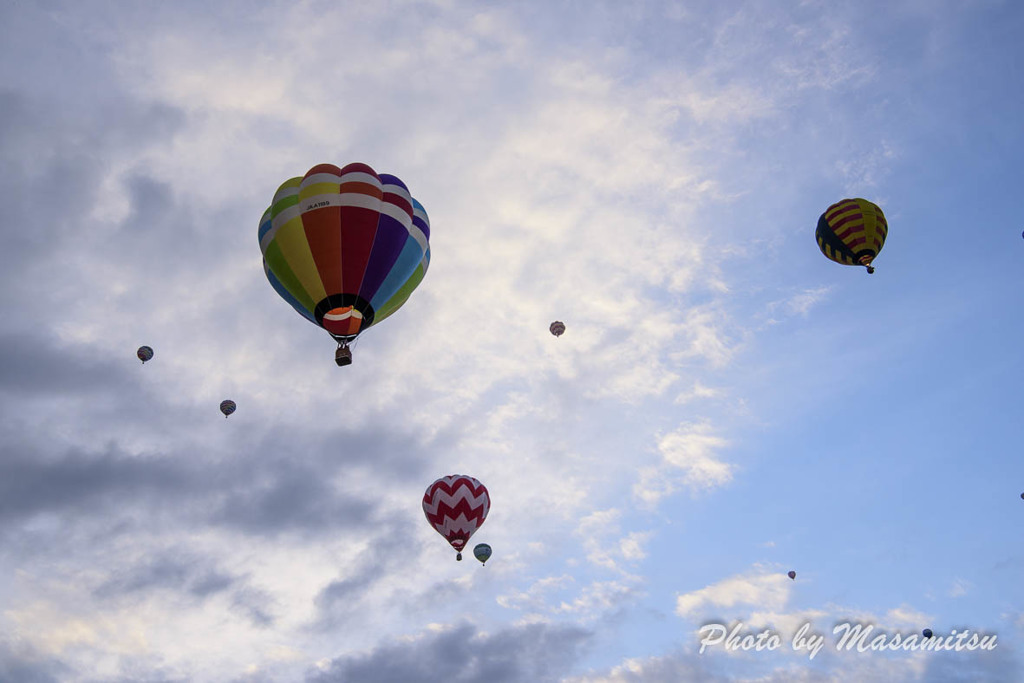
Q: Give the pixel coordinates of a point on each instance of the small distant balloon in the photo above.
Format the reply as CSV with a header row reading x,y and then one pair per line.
x,y
482,552
792,575
1022,496
144,353
557,328
927,633
227,407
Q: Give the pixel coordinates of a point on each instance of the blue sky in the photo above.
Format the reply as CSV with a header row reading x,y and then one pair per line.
x,y
651,173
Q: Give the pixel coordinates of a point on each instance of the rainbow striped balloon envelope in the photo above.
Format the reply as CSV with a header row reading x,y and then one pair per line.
x,y
852,232
345,247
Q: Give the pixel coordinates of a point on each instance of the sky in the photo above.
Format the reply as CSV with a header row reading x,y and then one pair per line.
x,y
726,404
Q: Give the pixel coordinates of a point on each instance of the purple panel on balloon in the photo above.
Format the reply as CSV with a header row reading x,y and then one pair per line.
x,y
392,234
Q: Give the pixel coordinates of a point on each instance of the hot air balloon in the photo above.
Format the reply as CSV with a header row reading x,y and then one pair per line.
x,y
456,506
927,633
557,328
345,247
227,407
482,552
792,575
852,232
144,353
1022,496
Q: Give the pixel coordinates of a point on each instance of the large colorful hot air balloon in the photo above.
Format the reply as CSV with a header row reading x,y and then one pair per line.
x,y
456,506
852,232
482,552
144,353
227,407
345,247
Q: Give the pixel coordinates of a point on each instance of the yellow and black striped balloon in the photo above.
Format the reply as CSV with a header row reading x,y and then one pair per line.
x,y
852,232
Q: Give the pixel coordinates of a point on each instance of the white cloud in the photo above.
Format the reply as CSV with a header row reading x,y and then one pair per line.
x,y
689,458
864,171
599,598
960,588
758,588
601,533
699,391
534,598
802,302
632,546
831,58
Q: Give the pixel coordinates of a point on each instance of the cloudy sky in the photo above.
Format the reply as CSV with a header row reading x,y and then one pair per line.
x,y
726,404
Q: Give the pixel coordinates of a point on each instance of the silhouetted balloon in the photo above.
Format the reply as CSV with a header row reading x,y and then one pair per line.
x,y
792,575
227,407
927,633
144,353
557,328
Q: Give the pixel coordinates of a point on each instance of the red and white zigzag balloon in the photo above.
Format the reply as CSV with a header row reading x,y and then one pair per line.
x,y
456,506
